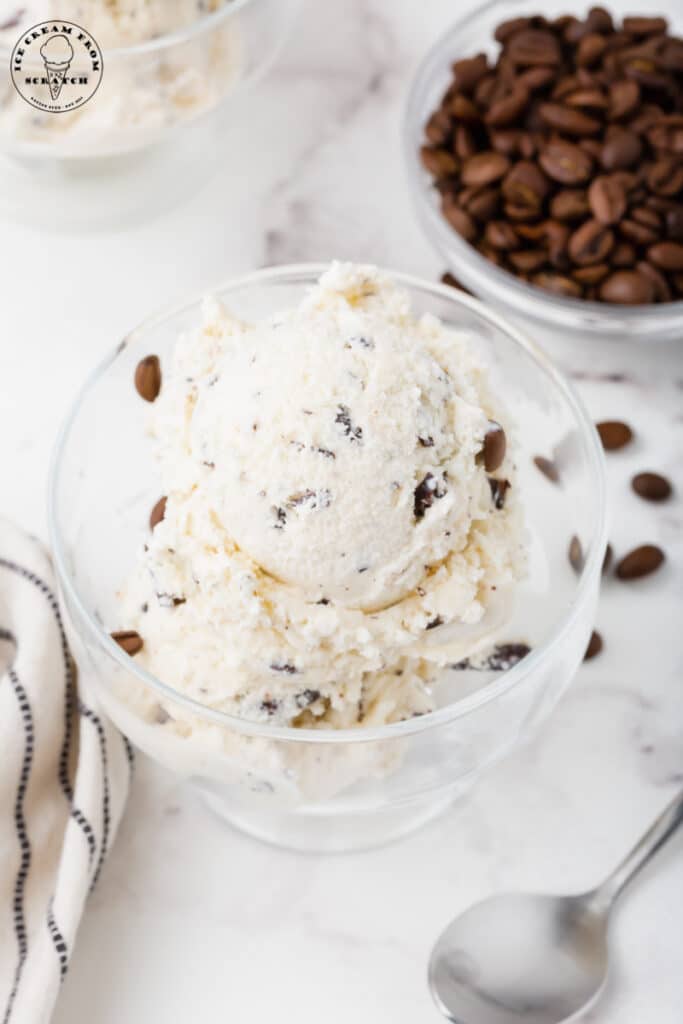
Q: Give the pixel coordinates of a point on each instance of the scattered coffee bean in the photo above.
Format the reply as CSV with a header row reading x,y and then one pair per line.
x,y
614,434
128,640
594,646
561,160
575,554
640,562
651,486
495,444
148,378
547,467
607,560
157,513
451,279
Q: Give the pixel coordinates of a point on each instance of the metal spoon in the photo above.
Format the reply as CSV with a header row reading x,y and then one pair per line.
x,y
533,958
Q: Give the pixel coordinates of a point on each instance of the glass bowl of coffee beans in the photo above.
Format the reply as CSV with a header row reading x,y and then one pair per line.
x,y
546,161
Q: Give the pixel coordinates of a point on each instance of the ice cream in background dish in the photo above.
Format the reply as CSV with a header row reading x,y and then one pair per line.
x,y
141,95
341,518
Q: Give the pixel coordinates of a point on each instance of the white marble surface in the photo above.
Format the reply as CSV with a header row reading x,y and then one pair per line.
x,y
191,922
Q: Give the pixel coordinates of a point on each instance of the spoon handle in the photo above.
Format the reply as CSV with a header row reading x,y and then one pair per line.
x,y
656,836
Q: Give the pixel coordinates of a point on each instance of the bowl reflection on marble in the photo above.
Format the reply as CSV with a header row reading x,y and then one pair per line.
x,y
317,789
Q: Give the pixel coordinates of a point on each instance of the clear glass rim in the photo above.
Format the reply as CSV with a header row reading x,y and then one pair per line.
x,y
181,35
308,273
518,294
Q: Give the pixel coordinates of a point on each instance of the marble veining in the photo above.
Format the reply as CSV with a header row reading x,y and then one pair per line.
x,y
192,922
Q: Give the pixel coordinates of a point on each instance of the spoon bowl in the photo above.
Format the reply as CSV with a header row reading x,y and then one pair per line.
x,y
533,958
520,957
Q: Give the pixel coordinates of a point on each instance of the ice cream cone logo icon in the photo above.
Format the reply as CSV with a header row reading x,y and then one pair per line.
x,y
57,54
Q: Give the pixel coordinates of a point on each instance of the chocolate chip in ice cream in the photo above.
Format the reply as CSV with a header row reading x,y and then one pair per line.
x,y
286,667
128,640
344,418
148,378
426,493
435,622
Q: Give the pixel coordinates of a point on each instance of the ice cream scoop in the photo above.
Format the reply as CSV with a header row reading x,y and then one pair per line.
x,y
341,515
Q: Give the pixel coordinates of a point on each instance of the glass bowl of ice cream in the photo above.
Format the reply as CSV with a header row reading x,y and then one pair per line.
x,y
313,536
166,71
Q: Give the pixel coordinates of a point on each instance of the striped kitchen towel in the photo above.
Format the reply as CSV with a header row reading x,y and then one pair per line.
x,y
64,777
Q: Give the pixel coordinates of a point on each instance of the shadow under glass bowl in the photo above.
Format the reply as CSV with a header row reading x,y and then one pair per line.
x,y
529,305
315,789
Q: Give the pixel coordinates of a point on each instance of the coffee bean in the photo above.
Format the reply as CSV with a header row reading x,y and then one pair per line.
x,y
570,204
568,119
547,467
526,261
592,99
536,78
621,150
674,223
624,97
561,160
607,199
651,486
627,287
469,71
462,108
660,285
594,646
453,282
607,560
666,255
614,434
508,108
591,275
665,177
148,378
557,284
590,49
623,255
128,640
459,219
640,562
644,26
438,162
485,168
157,513
499,489
591,243
463,142
439,128
640,234
575,554
501,235
495,444
564,162
534,46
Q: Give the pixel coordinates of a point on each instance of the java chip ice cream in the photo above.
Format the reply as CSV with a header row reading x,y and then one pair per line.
x,y
341,518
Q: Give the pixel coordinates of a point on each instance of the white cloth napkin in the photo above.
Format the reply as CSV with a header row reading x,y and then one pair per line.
x,y
64,777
